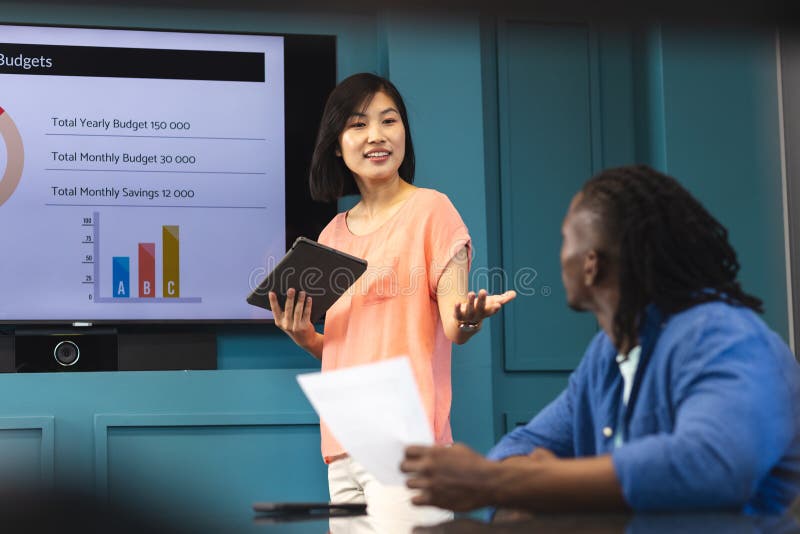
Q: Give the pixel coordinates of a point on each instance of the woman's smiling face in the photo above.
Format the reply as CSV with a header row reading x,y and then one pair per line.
x,y
373,141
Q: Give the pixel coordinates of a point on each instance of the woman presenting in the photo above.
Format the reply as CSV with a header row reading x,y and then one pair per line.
x,y
413,300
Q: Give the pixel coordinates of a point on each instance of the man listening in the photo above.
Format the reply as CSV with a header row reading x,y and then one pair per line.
x,y
685,400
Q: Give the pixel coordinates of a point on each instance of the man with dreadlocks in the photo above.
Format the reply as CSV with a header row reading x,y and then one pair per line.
x,y
684,400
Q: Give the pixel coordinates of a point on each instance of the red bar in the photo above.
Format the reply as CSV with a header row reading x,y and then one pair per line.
x,y
147,270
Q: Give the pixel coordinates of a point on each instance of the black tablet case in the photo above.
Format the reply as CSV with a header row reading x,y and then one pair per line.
x,y
322,272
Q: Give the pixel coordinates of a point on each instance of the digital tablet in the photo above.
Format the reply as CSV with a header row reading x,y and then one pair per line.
x,y
322,272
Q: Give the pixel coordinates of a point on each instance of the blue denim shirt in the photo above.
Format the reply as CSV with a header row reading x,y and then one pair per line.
x,y
713,421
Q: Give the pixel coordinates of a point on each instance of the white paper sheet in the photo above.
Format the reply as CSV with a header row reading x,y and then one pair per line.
x,y
374,411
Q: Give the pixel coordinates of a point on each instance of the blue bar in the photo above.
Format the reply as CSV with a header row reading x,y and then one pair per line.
x,y
122,277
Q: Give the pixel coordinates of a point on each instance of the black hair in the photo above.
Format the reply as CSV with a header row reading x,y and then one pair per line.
x,y
670,250
329,178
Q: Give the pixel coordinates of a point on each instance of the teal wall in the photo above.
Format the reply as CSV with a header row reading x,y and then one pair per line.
x,y
509,117
721,136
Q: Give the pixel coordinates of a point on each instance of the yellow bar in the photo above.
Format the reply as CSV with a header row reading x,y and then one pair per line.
x,y
171,254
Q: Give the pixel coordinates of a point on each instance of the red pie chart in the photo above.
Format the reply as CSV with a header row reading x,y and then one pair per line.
x,y
14,156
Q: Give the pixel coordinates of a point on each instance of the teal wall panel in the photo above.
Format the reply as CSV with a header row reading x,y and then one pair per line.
x,y
209,467
494,227
523,395
27,450
196,446
648,79
548,147
616,103
260,348
722,141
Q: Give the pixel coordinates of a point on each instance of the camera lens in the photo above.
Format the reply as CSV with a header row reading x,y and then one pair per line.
x,y
66,353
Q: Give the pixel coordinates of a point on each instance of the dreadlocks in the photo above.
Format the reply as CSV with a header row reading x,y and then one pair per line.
x,y
671,252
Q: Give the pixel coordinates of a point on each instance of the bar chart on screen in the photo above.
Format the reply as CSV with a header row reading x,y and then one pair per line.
x,y
141,285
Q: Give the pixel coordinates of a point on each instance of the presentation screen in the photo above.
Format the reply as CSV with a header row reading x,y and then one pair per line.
x,y
143,173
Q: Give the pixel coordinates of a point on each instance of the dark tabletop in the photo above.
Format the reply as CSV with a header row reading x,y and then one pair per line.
x,y
574,524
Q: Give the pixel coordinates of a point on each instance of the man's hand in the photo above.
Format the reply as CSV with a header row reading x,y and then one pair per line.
x,y
456,478
539,454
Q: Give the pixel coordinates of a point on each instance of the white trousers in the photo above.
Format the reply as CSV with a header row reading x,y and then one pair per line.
x,y
389,508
